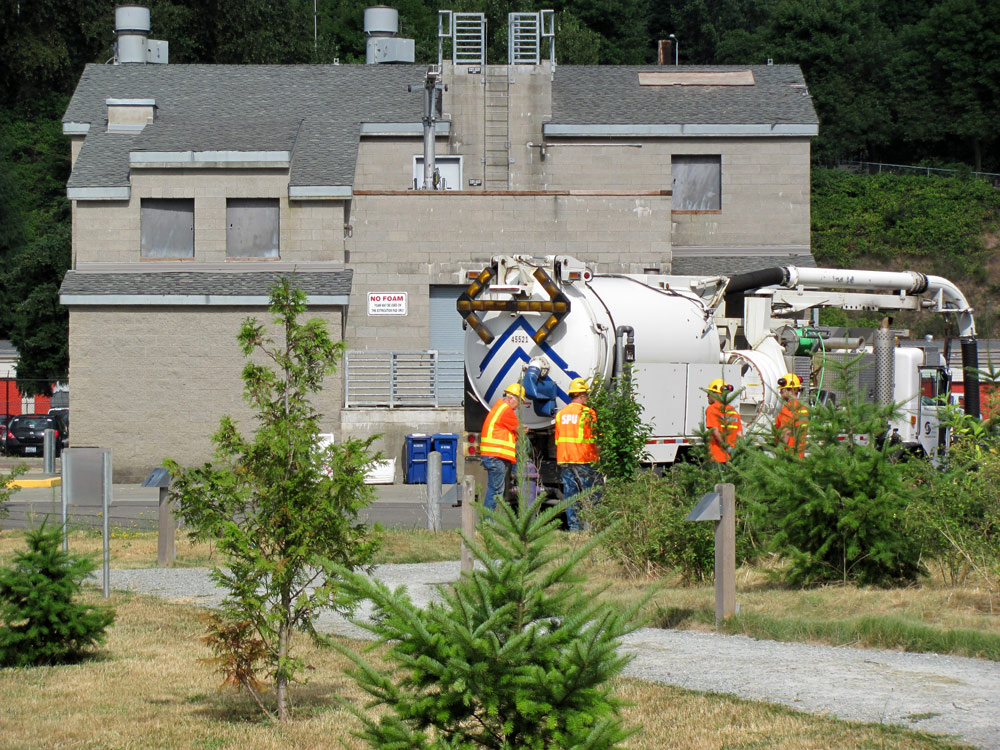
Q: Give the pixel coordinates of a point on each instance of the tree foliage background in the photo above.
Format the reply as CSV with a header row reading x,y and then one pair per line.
x,y
906,81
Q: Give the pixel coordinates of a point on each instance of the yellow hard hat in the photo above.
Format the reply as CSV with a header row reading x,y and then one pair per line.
x,y
719,386
790,380
515,389
577,385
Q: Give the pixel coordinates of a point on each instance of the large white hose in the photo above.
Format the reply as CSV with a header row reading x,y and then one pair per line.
x,y
950,296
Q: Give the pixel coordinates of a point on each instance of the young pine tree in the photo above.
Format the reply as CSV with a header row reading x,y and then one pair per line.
x,y
279,508
515,655
40,622
840,513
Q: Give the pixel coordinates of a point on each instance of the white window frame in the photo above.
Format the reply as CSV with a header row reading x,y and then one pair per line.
x,y
439,160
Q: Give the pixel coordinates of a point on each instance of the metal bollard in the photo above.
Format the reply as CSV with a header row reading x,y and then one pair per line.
x,y
434,491
468,519
49,452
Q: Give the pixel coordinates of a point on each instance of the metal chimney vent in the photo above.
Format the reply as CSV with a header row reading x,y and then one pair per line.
x,y
133,44
382,45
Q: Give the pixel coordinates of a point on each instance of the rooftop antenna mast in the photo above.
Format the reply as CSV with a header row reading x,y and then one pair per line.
x,y
432,90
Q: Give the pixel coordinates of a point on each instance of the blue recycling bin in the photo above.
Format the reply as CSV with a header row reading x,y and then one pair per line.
x,y
446,443
418,447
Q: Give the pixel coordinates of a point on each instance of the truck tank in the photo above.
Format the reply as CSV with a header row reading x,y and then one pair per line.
x,y
670,326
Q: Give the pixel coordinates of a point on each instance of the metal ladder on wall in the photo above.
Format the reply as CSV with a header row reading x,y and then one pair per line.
x,y
496,133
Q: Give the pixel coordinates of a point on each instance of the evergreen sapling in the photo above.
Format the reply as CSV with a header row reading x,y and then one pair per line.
x,y
40,621
514,655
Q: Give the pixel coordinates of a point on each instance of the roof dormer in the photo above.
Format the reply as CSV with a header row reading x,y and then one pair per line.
x,y
130,115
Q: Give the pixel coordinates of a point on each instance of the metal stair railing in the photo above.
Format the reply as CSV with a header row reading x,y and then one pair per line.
x,y
524,38
467,32
399,379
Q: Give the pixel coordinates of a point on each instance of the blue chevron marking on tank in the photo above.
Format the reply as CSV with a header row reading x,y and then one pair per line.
x,y
498,381
521,323
518,356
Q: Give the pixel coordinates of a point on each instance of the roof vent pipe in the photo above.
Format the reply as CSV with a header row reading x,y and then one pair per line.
x,y
132,32
381,44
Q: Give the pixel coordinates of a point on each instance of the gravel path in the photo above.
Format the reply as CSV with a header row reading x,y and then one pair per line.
x,y
947,695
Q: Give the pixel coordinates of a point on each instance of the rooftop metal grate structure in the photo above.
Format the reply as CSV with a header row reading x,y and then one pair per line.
x,y
467,32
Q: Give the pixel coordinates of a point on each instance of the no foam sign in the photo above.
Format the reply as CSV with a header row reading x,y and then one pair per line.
x,y
387,303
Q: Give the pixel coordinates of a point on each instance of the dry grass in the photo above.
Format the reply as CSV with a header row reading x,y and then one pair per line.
x,y
137,549
147,689
933,603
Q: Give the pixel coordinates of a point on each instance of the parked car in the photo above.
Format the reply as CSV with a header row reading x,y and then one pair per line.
x,y
62,411
26,434
4,419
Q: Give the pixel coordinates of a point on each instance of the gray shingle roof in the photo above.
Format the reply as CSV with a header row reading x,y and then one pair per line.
x,y
317,108
727,265
611,94
103,161
195,283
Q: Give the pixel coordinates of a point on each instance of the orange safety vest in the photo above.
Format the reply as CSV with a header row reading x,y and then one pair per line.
x,y
729,424
499,436
795,418
574,435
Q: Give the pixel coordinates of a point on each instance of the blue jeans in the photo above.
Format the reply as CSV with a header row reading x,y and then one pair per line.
x,y
575,479
496,473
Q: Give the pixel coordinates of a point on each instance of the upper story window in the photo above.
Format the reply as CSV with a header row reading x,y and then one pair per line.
x,y
449,168
697,182
167,227
252,228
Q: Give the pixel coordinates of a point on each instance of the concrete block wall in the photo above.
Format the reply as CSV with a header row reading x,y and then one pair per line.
x,y
387,163
406,242
110,231
765,184
395,424
159,386
464,104
530,107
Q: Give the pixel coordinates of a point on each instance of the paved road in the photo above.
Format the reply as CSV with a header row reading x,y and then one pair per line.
x,y
136,507
938,694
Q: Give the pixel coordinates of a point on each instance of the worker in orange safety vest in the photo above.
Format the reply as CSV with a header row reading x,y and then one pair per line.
x,y
498,442
722,421
576,451
792,423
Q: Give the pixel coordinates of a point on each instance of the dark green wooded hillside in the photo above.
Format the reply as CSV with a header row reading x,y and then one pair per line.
x,y
938,225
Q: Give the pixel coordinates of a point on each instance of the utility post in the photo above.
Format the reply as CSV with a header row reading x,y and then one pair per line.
x,y
720,506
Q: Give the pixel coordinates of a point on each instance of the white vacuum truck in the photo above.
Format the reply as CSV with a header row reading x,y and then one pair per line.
x,y
548,320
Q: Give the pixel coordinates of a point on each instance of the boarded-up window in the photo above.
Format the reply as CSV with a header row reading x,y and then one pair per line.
x,y
252,228
167,227
697,183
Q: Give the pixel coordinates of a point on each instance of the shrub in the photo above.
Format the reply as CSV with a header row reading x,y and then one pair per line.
x,y
514,656
843,512
645,530
40,623
620,433
7,489
959,511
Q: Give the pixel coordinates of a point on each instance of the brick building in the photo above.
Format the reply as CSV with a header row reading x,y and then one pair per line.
x,y
193,187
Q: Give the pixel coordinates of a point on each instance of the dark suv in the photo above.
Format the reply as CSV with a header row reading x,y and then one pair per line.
x,y
26,433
